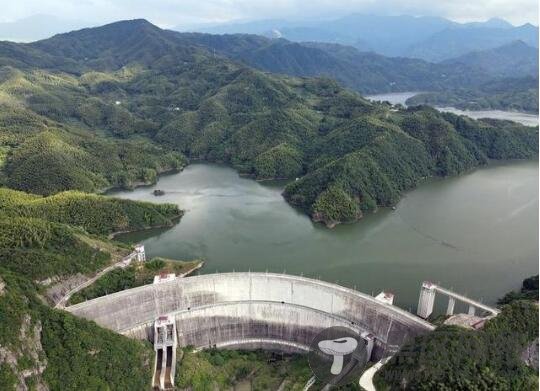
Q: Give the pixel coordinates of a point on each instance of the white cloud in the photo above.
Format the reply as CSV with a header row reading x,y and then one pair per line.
x,y
188,12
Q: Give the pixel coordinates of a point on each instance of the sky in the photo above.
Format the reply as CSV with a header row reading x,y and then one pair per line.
x,y
188,13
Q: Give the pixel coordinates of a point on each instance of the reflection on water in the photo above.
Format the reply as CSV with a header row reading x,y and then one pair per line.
x,y
477,233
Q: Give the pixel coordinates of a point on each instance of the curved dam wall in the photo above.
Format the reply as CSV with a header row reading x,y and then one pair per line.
x,y
252,310
250,324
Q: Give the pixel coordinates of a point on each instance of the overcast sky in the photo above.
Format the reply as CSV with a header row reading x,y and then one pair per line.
x,y
169,13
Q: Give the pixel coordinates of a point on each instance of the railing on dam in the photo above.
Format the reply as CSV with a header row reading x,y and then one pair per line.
x,y
215,309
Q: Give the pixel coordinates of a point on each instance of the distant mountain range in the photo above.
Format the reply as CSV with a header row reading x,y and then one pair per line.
x,y
480,53
455,42
428,38
432,39
515,59
369,72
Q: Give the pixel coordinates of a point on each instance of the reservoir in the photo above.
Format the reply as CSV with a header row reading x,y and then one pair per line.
x,y
401,97
476,233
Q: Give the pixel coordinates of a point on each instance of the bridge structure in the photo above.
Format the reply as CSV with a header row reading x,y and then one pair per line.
x,y
253,310
426,301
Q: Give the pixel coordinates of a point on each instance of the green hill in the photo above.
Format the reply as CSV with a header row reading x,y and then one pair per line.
x,y
368,164
93,213
44,239
457,358
365,72
512,60
49,239
55,236
138,99
119,104
44,348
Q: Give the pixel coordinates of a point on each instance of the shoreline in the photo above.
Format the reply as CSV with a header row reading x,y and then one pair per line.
x,y
105,191
333,224
175,220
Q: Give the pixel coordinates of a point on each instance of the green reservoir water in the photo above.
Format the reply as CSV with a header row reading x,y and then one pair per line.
x,y
477,233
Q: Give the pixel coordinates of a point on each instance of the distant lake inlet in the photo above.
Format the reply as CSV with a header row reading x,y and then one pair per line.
x,y
401,98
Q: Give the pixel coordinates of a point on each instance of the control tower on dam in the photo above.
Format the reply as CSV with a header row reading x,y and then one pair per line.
x,y
253,310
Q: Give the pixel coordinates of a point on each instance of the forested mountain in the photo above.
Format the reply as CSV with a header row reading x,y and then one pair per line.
x,y
512,73
454,42
428,38
456,358
515,59
500,78
365,72
116,105
44,241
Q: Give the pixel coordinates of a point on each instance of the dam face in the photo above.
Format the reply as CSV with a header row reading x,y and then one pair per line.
x,y
252,310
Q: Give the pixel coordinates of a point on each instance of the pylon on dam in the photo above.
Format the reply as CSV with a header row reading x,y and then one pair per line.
x,y
426,301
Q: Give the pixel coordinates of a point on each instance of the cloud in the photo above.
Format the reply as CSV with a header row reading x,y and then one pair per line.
x,y
169,13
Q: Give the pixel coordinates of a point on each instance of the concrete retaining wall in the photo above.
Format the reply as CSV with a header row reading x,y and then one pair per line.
x,y
218,309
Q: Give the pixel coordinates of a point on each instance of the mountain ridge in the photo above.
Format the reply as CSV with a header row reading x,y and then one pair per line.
x,y
514,59
169,97
408,36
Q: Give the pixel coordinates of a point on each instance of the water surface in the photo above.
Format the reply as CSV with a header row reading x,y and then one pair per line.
x,y
477,233
401,98
523,118
393,97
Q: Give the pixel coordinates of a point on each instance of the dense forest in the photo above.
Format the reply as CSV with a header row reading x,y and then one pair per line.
x,y
118,104
504,77
42,347
365,72
47,239
455,358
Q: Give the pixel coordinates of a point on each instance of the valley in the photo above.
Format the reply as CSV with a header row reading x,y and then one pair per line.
x,y
253,153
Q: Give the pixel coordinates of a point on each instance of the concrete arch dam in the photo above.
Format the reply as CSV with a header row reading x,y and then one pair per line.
x,y
252,310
